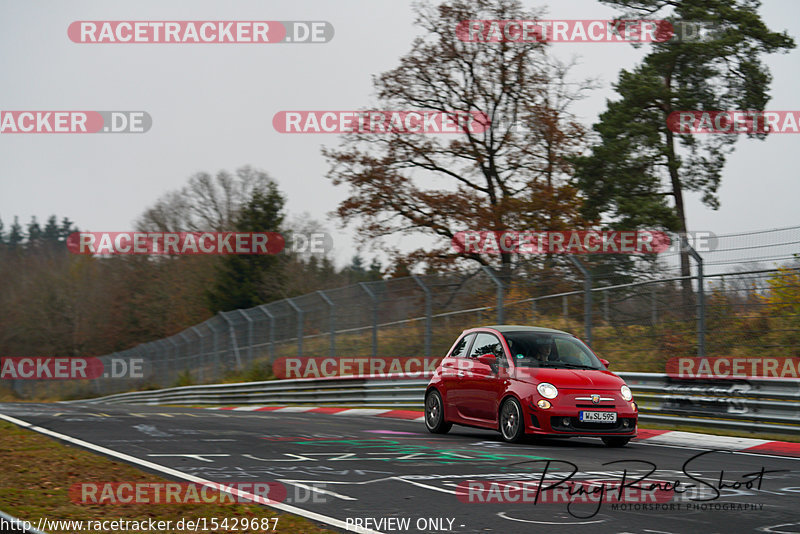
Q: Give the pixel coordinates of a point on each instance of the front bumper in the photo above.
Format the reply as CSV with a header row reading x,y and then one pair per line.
x,y
562,418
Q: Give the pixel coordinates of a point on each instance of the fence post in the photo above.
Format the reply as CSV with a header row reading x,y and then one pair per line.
x,y
200,353
249,336
654,311
232,333
374,298
299,327
605,306
174,358
186,342
268,313
701,299
331,321
428,313
500,290
587,298
215,344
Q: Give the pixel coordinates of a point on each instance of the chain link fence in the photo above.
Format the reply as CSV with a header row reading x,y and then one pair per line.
x,y
637,316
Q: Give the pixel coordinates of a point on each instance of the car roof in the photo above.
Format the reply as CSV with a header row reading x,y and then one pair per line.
x,y
505,328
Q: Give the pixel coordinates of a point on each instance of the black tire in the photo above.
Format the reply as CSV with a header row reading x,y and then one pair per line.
x,y
616,442
434,414
512,427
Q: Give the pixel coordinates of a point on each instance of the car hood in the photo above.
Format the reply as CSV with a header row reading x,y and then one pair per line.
x,y
570,378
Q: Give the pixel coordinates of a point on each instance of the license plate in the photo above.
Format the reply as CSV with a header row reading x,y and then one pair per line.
x,y
598,417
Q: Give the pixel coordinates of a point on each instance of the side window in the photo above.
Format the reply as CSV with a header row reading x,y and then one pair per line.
x,y
460,350
486,344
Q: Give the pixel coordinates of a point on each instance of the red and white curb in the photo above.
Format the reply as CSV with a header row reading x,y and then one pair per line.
x,y
674,438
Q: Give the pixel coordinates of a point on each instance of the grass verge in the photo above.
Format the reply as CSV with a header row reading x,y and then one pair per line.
x,y
37,472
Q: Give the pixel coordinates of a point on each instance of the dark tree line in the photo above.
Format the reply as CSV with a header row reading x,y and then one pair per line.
x,y
53,302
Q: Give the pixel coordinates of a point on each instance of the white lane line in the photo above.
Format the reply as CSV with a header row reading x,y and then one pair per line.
x,y
316,489
362,411
744,452
314,516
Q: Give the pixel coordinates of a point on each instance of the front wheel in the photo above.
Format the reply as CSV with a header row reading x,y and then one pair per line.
x,y
434,414
616,442
511,424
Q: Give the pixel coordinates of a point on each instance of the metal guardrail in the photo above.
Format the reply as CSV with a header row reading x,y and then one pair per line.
x,y
342,391
753,406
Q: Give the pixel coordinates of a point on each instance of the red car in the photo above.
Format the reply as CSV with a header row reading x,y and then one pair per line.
x,y
526,380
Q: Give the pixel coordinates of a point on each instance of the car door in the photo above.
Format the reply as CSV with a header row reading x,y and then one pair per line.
x,y
479,387
453,373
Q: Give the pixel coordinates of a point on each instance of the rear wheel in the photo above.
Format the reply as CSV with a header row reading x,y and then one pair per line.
x,y
434,414
616,442
511,424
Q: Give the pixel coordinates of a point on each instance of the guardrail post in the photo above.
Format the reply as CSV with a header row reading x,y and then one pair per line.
x,y
268,313
232,333
500,291
331,321
587,298
701,299
299,327
374,298
605,306
249,336
428,313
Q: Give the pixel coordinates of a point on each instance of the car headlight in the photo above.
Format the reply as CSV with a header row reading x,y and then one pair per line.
x,y
546,390
625,391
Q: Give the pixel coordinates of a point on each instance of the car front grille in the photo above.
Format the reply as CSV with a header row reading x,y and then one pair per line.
x,y
575,425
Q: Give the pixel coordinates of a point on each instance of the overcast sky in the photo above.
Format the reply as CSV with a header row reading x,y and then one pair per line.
x,y
212,107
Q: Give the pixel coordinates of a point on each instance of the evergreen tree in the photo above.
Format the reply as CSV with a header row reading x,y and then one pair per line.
x,y
15,235
34,231
637,174
244,281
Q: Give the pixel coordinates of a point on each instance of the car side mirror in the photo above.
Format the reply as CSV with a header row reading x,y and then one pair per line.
x,y
488,359
605,362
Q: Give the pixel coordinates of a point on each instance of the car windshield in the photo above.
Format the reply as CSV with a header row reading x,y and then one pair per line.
x,y
539,349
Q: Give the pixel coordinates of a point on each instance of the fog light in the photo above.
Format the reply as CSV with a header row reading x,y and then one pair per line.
x,y
566,421
626,423
543,404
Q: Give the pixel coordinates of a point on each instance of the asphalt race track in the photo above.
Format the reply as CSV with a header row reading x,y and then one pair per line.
x,y
380,468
